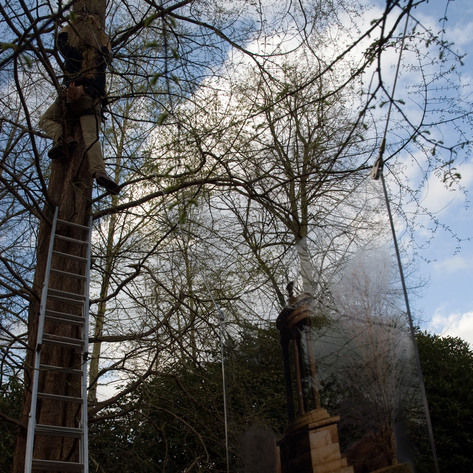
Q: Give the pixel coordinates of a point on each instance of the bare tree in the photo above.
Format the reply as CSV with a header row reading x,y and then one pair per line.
x,y
370,354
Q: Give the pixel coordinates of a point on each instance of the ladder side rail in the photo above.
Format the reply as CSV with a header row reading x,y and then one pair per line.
x,y
85,422
39,340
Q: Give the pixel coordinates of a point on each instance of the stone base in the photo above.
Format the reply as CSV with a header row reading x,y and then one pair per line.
x,y
310,445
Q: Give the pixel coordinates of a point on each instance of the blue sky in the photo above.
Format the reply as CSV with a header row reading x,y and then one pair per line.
x,y
446,304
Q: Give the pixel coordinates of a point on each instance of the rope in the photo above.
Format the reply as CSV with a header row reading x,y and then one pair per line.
x,y
376,173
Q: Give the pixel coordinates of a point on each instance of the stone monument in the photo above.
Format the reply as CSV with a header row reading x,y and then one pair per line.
x,y
310,443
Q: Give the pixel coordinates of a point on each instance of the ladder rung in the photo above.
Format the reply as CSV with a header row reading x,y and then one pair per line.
x,y
56,465
58,431
72,240
64,296
64,317
72,224
66,300
60,369
69,275
60,397
59,340
67,255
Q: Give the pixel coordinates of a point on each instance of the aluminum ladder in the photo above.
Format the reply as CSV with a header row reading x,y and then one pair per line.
x,y
72,317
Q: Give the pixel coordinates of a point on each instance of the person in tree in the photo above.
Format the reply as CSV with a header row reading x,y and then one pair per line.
x,y
86,51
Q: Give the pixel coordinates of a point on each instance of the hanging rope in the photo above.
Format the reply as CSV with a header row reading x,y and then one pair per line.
x,y
377,173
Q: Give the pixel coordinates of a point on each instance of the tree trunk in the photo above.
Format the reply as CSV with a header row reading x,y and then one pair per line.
x,y
70,189
306,267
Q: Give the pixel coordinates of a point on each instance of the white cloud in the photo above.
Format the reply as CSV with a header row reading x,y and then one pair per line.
x,y
460,34
452,264
457,27
437,197
454,325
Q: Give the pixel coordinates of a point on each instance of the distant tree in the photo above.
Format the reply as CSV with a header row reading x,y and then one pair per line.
x,y
175,420
447,365
365,354
11,395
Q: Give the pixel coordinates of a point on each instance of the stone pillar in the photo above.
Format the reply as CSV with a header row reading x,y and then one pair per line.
x,y
294,324
310,443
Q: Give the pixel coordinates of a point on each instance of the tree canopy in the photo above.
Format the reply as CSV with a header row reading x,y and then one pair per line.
x,y
447,364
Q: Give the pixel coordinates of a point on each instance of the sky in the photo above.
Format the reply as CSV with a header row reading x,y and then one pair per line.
x,y
445,306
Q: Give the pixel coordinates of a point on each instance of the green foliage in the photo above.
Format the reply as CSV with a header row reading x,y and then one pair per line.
x,y
176,419
447,364
149,20
155,78
5,46
11,395
255,379
162,118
